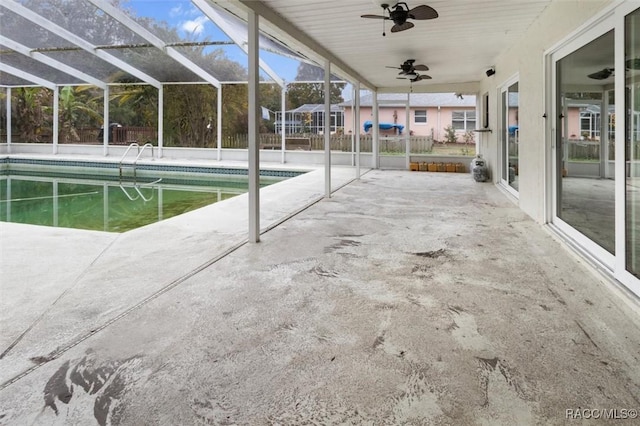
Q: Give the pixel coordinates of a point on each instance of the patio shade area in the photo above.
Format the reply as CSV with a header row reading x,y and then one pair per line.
x,y
378,305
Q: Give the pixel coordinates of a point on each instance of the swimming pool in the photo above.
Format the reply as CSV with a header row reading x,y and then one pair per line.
x,y
106,201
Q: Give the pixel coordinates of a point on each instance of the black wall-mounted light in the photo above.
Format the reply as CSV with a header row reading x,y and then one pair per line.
x,y
490,72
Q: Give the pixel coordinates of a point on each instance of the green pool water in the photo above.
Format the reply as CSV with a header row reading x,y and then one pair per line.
x,y
107,205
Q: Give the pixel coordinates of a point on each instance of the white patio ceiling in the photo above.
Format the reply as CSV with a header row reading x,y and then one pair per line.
x,y
458,46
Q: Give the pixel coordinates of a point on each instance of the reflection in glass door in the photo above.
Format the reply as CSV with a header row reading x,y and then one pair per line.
x,y
510,136
585,196
632,142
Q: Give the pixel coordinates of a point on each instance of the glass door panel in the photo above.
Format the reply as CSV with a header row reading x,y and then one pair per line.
x,y
632,142
585,189
510,137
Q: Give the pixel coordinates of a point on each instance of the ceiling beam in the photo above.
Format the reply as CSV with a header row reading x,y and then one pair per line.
x,y
300,37
26,51
27,76
127,21
82,43
209,11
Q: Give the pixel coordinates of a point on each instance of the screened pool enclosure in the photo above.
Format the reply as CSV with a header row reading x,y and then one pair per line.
x,y
173,74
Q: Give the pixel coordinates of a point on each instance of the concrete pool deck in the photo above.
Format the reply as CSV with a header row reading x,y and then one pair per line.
x,y
406,298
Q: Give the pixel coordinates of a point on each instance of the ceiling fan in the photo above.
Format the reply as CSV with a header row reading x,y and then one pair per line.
x,y
400,13
414,77
407,67
603,74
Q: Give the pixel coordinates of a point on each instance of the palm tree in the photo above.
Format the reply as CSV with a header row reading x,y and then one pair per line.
x,y
71,107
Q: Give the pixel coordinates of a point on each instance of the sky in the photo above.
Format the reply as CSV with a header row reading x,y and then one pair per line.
x,y
192,24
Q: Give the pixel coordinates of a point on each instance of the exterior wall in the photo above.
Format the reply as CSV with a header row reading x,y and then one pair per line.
x,y
437,119
526,59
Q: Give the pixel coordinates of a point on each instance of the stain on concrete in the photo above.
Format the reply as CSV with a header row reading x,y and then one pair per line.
x,y
58,388
490,365
342,243
42,359
106,380
106,406
379,341
434,254
214,411
417,402
319,270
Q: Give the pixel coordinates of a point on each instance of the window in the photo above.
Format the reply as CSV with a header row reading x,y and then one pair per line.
x,y
485,111
420,116
463,120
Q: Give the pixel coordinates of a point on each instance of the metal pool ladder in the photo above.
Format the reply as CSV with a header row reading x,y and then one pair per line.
x,y
133,164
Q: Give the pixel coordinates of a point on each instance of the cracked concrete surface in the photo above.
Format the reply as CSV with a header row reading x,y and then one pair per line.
x,y
406,298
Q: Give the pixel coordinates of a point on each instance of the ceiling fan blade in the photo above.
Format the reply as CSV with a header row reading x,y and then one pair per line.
x,y
374,17
633,64
423,12
397,28
425,77
395,68
602,74
421,68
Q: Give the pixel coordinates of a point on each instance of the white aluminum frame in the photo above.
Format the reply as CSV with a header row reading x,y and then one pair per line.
x,y
614,265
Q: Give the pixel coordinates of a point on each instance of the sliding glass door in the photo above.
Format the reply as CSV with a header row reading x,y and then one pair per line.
x,y
632,142
595,149
586,185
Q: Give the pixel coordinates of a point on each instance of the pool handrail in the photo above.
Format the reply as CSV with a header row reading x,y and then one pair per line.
x,y
133,164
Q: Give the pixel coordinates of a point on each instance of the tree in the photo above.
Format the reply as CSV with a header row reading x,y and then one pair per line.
x,y
190,115
30,106
311,93
76,108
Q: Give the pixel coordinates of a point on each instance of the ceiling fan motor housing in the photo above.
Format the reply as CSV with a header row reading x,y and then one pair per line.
x,y
398,15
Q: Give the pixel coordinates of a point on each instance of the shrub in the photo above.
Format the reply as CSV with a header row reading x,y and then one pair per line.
x,y
450,134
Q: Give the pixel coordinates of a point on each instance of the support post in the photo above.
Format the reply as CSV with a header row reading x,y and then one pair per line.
x,y
353,126
254,153
219,124
604,135
407,132
327,129
160,120
283,131
105,122
9,120
356,129
56,118
376,132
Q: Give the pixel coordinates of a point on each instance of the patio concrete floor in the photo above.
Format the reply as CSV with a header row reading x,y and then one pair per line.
x,y
406,298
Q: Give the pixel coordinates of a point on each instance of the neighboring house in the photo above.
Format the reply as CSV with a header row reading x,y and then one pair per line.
x,y
309,118
429,113
584,120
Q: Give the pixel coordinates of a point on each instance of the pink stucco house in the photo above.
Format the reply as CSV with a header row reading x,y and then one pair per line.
x,y
429,113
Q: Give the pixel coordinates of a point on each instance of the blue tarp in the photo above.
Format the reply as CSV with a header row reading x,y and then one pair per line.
x,y
383,126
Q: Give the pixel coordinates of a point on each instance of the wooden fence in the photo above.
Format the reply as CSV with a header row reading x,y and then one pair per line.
x,y
128,134
419,144
124,135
